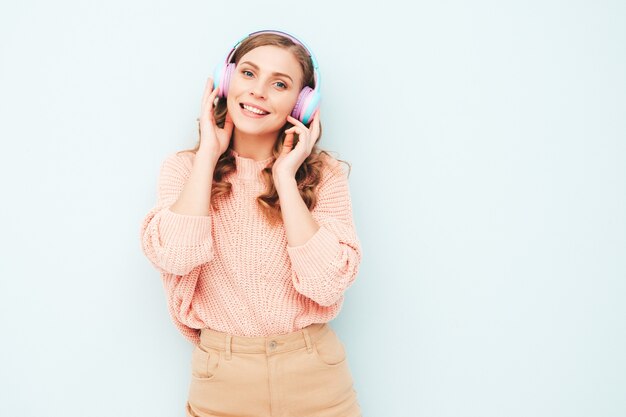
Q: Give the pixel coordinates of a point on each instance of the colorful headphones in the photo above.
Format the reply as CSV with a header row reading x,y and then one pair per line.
x,y
309,98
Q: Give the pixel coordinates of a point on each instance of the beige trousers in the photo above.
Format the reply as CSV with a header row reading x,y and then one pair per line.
x,y
300,374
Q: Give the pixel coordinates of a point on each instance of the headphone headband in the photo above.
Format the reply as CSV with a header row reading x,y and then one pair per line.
x,y
295,40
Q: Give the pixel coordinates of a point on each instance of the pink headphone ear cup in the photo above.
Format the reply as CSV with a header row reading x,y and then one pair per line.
x,y
298,109
225,79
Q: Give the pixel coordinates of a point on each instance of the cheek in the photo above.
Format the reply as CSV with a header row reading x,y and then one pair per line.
x,y
231,105
288,103
234,89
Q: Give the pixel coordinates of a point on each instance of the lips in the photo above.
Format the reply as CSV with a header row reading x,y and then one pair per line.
x,y
260,111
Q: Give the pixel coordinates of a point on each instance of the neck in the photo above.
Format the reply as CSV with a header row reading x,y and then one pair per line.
x,y
253,146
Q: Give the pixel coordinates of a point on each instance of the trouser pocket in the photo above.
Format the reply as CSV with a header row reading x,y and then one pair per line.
x,y
205,362
329,349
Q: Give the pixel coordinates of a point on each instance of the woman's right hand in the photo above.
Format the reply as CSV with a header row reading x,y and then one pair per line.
x,y
213,139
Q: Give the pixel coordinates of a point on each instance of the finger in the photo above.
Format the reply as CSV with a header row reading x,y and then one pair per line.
x,y
287,144
208,88
213,95
302,142
299,130
295,121
207,106
315,126
303,135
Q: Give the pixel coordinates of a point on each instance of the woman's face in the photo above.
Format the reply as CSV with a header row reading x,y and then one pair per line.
x,y
263,90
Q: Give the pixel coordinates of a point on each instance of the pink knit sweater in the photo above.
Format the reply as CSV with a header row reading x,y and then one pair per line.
x,y
233,272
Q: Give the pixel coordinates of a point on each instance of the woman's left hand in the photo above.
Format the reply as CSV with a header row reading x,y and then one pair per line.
x,y
290,158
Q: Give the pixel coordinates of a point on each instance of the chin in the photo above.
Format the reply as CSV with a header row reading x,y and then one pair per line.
x,y
254,127
256,132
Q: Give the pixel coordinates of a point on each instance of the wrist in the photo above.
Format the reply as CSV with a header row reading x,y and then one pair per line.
x,y
282,181
207,155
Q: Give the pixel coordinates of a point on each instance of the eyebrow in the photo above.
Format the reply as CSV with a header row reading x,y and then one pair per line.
x,y
274,73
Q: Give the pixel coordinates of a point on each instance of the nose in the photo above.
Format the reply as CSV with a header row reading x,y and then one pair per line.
x,y
257,89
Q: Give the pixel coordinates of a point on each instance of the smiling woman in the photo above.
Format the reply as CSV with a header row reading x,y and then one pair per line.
x,y
254,238
258,91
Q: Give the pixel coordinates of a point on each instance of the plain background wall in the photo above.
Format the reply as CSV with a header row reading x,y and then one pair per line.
x,y
487,141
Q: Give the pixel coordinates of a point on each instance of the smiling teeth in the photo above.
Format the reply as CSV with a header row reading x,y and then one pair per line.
x,y
253,109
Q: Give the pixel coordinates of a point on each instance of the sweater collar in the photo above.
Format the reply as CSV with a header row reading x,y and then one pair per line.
x,y
248,168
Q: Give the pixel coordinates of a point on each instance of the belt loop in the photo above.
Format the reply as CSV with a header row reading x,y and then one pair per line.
x,y
307,340
228,346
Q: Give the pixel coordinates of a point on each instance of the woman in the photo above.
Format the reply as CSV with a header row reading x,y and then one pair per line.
x,y
254,238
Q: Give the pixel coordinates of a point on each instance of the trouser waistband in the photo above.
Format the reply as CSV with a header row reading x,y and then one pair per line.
x,y
264,344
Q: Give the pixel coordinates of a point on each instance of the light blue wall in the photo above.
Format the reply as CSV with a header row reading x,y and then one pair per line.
x,y
487,141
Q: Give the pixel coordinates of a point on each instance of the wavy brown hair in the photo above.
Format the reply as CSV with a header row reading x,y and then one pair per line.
x,y
309,173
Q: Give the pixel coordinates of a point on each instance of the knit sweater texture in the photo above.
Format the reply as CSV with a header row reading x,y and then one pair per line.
x,y
233,272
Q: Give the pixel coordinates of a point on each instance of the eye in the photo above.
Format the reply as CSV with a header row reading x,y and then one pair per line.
x,y
247,73
281,85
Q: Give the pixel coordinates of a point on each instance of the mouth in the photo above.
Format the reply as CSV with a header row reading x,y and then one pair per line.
x,y
254,111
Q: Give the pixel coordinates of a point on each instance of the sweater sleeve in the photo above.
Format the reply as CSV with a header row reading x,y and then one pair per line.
x,y
327,264
175,243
